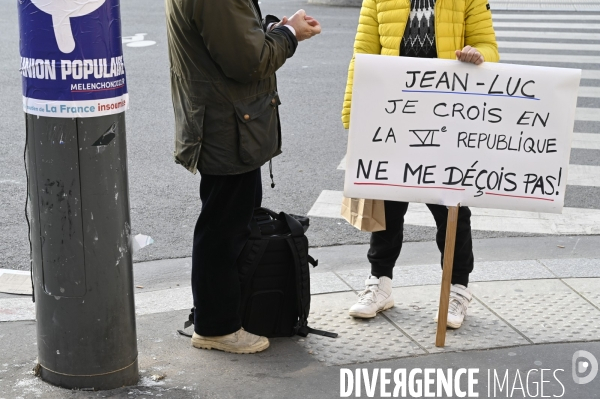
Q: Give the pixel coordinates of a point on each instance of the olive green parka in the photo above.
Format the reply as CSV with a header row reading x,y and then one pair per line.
x,y
223,84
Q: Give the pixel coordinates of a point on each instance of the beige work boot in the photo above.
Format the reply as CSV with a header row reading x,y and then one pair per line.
x,y
240,341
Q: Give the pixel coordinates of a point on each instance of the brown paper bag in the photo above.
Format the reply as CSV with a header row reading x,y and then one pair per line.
x,y
364,214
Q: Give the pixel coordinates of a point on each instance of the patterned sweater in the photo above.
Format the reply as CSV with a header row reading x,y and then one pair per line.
x,y
419,35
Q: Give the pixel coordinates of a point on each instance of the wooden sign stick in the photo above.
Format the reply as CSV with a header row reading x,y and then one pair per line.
x,y
440,338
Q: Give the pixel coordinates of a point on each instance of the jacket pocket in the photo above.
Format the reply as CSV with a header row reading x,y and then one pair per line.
x,y
189,129
258,127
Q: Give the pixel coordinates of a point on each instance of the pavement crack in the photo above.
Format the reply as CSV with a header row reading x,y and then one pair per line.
x,y
575,246
504,320
345,282
397,327
547,268
580,294
404,332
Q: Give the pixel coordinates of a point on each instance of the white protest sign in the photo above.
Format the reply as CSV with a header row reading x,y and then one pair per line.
x,y
446,132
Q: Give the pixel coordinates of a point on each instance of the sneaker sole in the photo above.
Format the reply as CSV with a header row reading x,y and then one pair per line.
x,y
371,315
450,325
202,344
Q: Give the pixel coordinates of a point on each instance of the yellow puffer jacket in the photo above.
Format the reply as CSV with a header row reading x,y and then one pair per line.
x,y
457,23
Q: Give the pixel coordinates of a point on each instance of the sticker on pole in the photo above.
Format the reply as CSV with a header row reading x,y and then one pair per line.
x,y
446,132
72,58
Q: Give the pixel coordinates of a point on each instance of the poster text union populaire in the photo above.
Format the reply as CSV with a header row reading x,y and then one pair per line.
x,y
446,132
72,58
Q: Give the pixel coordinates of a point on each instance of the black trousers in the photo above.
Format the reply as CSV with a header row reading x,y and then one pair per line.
x,y
221,232
386,245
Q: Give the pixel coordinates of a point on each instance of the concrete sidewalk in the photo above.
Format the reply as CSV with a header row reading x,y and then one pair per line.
x,y
536,296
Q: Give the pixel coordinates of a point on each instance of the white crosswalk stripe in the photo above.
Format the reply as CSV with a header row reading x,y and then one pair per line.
x,y
551,17
548,46
584,175
580,27
587,114
590,74
543,58
541,7
587,91
547,35
547,25
588,141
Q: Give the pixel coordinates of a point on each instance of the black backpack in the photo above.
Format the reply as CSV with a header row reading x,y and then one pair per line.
x,y
275,277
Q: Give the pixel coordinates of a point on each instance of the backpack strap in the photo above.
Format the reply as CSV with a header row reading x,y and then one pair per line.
x,y
302,302
295,227
300,252
255,233
301,257
304,331
189,322
274,215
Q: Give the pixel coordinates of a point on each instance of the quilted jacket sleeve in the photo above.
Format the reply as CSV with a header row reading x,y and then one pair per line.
x,y
366,42
237,42
479,32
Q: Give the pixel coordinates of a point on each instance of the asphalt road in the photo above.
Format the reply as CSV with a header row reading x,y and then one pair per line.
x,y
164,196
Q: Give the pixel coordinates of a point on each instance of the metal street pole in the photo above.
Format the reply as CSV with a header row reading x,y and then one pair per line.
x,y
74,97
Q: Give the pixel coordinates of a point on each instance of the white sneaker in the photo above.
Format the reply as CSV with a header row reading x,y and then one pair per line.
x,y
376,297
460,298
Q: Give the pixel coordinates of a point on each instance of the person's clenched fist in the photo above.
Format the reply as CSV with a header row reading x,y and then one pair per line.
x,y
470,54
304,25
